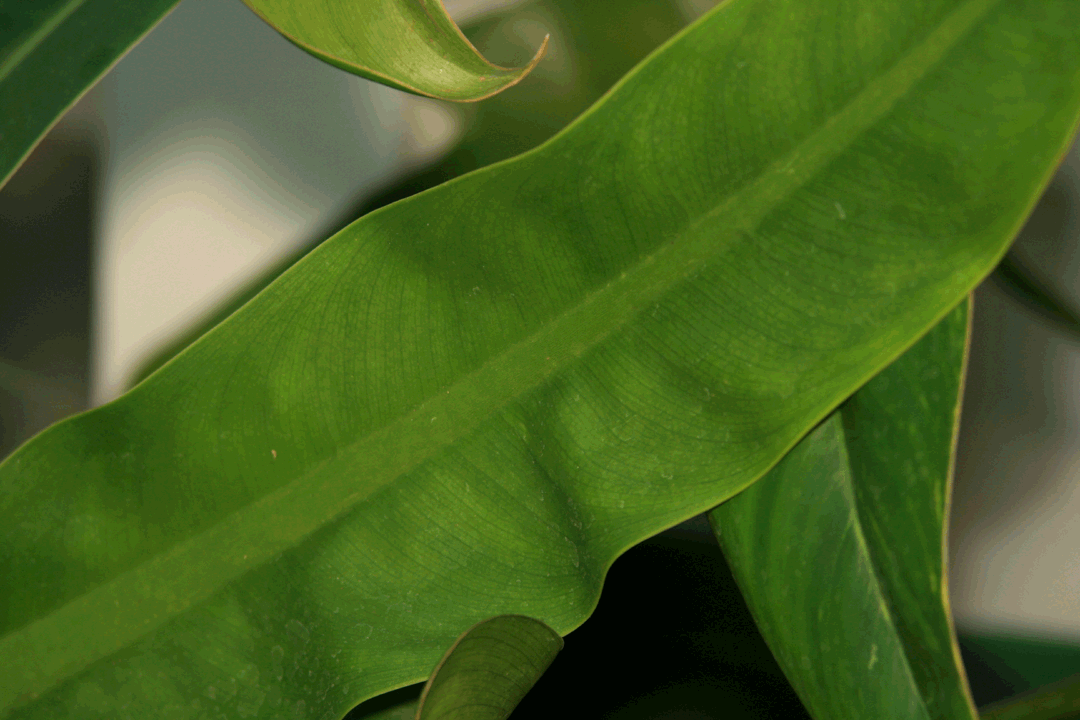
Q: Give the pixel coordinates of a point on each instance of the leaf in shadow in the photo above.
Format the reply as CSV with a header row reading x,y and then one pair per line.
x,y
400,704
51,52
592,45
488,670
1036,293
1058,701
839,550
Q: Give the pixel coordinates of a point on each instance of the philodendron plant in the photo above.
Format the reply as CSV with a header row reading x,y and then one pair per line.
x,y
735,283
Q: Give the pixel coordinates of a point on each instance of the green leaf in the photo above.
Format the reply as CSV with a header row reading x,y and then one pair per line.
x,y
400,704
470,402
1060,701
592,45
412,45
403,711
51,52
839,550
488,670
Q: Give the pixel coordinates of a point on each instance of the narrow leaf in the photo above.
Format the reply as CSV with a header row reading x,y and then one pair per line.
x,y
412,45
488,670
839,550
470,402
51,52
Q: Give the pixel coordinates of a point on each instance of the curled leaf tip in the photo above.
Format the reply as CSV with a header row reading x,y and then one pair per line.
x,y
415,47
519,74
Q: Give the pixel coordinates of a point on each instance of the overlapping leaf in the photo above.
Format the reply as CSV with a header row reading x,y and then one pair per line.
x,y
470,402
487,672
51,51
412,45
592,45
839,549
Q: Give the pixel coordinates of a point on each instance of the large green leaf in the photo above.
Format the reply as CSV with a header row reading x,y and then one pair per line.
x,y
470,402
592,45
489,669
51,51
839,550
412,45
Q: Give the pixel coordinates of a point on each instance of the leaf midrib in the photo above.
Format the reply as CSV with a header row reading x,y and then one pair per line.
x,y
868,559
44,652
871,558
866,554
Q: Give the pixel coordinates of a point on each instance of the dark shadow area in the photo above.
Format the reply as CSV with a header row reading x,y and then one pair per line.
x,y
45,241
1002,666
672,639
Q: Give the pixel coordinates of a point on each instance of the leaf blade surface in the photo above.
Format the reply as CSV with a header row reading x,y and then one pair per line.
x,y
469,403
487,672
839,550
591,47
412,45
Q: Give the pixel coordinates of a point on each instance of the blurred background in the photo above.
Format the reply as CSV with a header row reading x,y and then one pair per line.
x,y
216,153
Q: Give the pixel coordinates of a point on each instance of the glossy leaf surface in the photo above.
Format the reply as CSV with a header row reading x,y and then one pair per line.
x,y
470,402
487,672
839,550
412,45
51,52
592,45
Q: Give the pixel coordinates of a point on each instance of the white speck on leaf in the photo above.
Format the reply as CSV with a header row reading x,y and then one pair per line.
x,y
840,211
